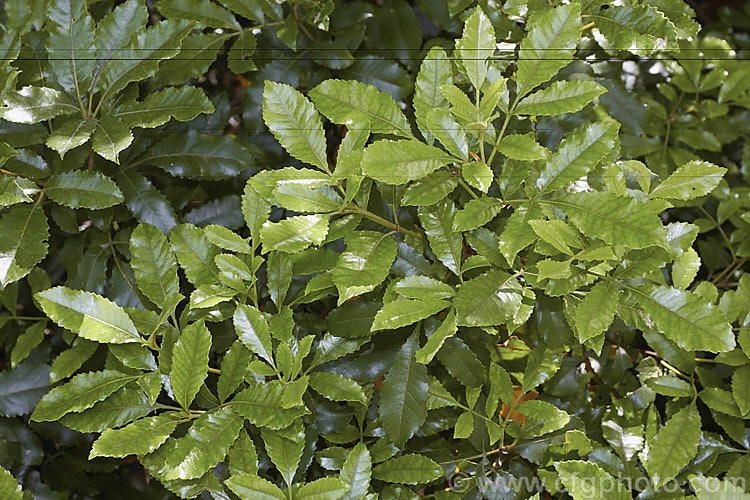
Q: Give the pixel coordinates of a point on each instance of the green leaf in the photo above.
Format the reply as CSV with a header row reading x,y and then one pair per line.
x,y
252,329
190,362
146,202
89,315
124,406
685,318
581,150
423,287
294,122
711,488
693,179
674,446
685,269
325,488
138,438
356,472
243,459
192,154
205,445
198,52
449,132
255,209
721,401
558,234
403,398
616,220
518,232
400,313
475,46
284,448
408,469
24,243
364,264
360,105
476,213
331,348
740,385
542,364
16,190
489,299
80,393
639,29
110,137
36,104
140,59
522,147
501,389
183,104
559,98
207,14
462,363
305,199
337,387
26,342
83,189
9,487
588,481
252,486
435,341
549,46
195,254
437,221
668,385
542,417
233,370
153,264
294,234
478,175
430,189
597,310
398,162
262,405
22,388
69,134
239,57
352,319
434,71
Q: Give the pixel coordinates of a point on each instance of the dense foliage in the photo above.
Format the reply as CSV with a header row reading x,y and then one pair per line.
x,y
323,250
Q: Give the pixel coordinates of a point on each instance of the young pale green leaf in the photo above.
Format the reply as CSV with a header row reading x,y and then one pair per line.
x,y
577,155
437,221
325,488
692,180
70,133
356,472
81,392
400,313
153,264
518,232
541,418
364,264
226,239
284,448
252,486
448,131
475,46
138,438
408,469
711,488
195,253
685,318
435,341
616,220
398,162
262,405
476,213
639,29
478,175
193,154
111,136
294,122
252,329
489,299
522,147
360,105
430,189
558,234
588,481
207,14
337,387
190,362
141,58
9,487
674,446
294,234
24,243
243,459
89,315
255,209
423,287
597,310
542,364
434,71
83,189
305,199
403,398
560,97
205,445
685,269
36,104
549,46
146,202
183,104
